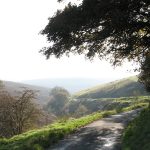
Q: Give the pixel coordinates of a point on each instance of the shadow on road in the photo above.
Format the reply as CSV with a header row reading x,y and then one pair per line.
x,y
103,134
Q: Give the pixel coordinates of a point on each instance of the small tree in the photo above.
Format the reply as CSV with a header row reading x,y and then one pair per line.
x,y
1,84
81,111
6,116
17,113
59,98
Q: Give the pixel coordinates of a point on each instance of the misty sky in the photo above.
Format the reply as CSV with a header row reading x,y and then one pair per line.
x,y
20,42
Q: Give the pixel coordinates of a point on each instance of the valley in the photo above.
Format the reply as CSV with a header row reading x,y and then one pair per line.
x,y
93,119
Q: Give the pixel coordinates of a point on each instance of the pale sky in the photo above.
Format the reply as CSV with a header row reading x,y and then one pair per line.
x,y
20,42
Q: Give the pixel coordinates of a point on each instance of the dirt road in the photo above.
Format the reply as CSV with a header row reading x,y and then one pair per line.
x,y
104,134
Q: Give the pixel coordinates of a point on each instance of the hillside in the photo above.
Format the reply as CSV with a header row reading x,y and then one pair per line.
x,y
119,88
42,94
71,84
85,106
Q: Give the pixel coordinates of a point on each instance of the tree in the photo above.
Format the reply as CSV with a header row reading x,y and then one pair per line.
x,y
81,111
6,129
112,29
59,98
145,72
17,113
1,85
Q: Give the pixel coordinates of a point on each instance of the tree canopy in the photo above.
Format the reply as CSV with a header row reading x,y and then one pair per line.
x,y
58,100
114,29
145,73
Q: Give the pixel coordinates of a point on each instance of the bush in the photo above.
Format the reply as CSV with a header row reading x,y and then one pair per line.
x,y
137,134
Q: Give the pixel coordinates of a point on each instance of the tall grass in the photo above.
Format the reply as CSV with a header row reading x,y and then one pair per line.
x,y
137,134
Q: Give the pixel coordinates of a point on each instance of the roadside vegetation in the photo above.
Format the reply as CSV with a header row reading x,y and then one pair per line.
x,y
137,134
81,107
47,136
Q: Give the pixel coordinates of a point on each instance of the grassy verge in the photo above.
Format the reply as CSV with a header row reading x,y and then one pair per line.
x,y
137,134
45,137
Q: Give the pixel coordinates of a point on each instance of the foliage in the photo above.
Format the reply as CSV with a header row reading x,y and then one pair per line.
x,y
137,134
80,111
56,90
17,113
45,137
111,29
145,73
59,97
103,104
124,24
1,85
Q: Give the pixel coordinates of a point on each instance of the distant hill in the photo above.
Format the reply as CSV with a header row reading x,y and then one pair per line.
x,y
42,94
120,88
71,84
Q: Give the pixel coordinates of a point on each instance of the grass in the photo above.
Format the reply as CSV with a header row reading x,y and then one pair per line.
x,y
124,87
106,86
43,138
137,134
47,136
